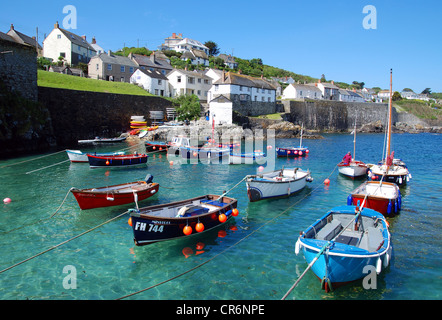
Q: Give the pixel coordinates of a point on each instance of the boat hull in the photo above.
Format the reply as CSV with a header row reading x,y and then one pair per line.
x,y
116,161
292,152
156,147
395,174
213,155
345,261
246,158
149,228
77,156
262,188
88,199
385,199
354,169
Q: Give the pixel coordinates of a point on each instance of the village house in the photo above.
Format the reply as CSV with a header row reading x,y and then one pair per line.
x,y
329,90
196,57
71,47
384,94
248,95
96,47
152,81
301,91
214,74
189,82
157,61
229,61
107,66
186,44
24,39
171,42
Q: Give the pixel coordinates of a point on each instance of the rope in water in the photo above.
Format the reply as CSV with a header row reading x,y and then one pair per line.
x,y
62,243
225,250
13,164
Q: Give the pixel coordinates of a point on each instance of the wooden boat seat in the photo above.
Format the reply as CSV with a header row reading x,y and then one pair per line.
x,y
330,230
374,238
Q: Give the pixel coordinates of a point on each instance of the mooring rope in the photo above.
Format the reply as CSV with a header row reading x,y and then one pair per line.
x,y
225,250
62,243
55,164
13,164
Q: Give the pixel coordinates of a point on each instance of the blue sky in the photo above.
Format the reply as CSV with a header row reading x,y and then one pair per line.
x,y
306,37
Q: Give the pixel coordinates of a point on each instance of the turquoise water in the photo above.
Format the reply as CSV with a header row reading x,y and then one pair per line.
x,y
251,258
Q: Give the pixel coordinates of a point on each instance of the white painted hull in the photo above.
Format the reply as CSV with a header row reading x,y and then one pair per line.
x,y
354,169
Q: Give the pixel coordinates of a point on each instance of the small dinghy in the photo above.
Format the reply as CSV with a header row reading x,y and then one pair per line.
x,y
78,156
277,183
345,245
180,219
115,195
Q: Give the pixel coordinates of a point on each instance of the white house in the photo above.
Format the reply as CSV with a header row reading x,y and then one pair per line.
x,y
221,110
197,57
62,43
152,81
97,48
214,74
189,82
384,94
186,44
329,90
300,91
246,88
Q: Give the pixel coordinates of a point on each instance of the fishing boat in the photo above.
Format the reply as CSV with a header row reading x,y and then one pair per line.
x,y
180,219
78,156
115,195
293,151
157,146
389,171
354,168
384,197
246,158
277,183
345,245
206,153
117,160
176,143
103,140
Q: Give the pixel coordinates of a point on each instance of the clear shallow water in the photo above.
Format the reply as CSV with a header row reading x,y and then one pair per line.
x,y
261,266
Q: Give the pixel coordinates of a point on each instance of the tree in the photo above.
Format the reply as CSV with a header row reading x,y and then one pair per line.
x,y
426,91
359,85
407,90
396,96
187,107
213,48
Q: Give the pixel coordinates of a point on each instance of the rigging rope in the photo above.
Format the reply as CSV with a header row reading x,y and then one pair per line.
x,y
13,164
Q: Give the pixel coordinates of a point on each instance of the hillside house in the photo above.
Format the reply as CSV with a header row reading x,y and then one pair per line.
x,y
196,57
107,66
384,94
157,61
152,81
71,47
24,39
250,96
301,91
229,61
189,82
171,42
186,44
329,90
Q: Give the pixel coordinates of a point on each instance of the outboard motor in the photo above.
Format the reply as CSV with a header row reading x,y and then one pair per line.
x,y
149,178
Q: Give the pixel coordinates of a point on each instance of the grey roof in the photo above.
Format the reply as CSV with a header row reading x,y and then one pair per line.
x,y
114,59
22,38
244,80
147,62
305,87
193,54
77,39
4,36
154,74
192,74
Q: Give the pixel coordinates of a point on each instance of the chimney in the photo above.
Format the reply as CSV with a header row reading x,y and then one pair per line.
x,y
93,40
180,35
12,26
152,57
332,82
109,53
84,38
174,35
56,26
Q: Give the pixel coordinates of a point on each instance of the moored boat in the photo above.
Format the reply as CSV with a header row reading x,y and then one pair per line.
x,y
293,151
205,153
180,219
245,158
277,183
354,169
78,156
116,160
345,245
103,140
384,197
115,195
157,146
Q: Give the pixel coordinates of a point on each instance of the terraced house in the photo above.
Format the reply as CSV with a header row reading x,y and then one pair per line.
x,y
110,67
71,47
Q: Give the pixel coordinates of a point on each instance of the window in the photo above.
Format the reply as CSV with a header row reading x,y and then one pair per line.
x,y
159,82
122,68
206,81
300,93
199,80
191,80
240,88
268,99
97,66
178,79
109,67
58,36
63,54
199,92
131,69
216,87
122,79
156,92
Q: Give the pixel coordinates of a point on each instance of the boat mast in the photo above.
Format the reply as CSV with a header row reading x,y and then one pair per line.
x,y
389,117
354,142
300,141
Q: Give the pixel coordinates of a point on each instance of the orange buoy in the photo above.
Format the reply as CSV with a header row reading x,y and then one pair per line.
x,y
199,227
300,153
222,218
222,233
327,181
107,162
171,163
187,252
187,230
129,222
235,212
200,246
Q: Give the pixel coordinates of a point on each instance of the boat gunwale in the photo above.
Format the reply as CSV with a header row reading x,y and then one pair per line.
x,y
97,190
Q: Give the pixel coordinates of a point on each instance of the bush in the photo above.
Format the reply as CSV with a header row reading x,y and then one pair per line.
x,y
187,107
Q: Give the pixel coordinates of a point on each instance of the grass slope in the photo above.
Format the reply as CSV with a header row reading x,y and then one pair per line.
x,y
63,81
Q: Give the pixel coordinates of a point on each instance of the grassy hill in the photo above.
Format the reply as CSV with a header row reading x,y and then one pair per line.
x,y
63,81
421,109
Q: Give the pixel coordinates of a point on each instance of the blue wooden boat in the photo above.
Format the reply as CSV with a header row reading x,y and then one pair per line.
x,y
344,241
